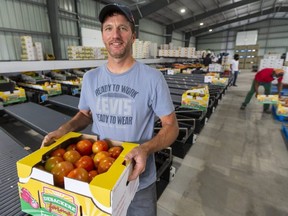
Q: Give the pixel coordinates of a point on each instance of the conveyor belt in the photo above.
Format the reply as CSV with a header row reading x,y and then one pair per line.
x,y
40,118
10,153
66,101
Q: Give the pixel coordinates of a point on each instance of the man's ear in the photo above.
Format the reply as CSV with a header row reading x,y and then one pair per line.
x,y
134,36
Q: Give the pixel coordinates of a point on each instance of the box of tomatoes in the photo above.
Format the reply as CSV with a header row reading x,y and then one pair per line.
x,y
77,175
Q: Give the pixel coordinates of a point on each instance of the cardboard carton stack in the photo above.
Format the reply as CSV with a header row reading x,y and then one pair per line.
x,y
215,67
86,53
38,51
248,55
172,51
30,51
271,61
144,49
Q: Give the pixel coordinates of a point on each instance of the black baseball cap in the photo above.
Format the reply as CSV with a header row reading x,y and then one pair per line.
x,y
116,8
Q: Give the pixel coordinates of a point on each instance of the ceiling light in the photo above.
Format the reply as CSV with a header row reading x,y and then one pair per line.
x,y
183,10
210,30
201,23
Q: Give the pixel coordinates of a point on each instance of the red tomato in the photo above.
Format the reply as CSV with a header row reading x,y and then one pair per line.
x,y
105,164
99,156
79,173
60,171
71,147
58,152
100,145
85,162
51,162
84,147
92,174
72,156
115,151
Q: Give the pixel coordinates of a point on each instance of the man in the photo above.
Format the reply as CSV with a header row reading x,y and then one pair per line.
x,y
121,99
264,78
234,66
207,60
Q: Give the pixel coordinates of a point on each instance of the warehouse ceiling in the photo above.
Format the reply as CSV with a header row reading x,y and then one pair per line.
x,y
214,15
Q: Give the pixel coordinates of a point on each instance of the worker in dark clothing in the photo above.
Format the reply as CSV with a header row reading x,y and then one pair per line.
x,y
207,60
264,78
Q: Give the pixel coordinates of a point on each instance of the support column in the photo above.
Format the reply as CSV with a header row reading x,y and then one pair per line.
x,y
137,27
78,22
187,39
53,15
169,31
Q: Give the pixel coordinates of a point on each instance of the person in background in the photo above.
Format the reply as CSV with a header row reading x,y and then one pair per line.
x,y
207,60
121,99
264,78
234,66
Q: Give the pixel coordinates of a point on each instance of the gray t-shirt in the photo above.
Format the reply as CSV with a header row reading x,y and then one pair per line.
x,y
124,106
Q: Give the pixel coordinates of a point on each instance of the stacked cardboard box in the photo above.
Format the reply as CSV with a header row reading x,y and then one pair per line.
x,y
215,67
271,61
248,56
144,49
86,53
38,51
27,48
30,51
183,52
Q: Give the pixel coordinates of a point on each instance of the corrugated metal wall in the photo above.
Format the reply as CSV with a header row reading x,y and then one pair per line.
x,y
30,17
17,18
272,37
151,31
178,39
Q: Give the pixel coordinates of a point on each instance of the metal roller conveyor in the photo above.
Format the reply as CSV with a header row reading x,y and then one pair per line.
x,y
66,101
10,153
39,118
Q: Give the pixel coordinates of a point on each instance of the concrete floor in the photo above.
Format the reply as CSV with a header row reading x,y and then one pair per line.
x,y
237,167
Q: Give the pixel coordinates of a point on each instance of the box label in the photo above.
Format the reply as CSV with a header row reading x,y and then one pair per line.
x,y
58,203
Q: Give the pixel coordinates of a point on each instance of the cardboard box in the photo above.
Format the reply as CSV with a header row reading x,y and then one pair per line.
x,y
282,110
107,194
196,98
219,81
268,99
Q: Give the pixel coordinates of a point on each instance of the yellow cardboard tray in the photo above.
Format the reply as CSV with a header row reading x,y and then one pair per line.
x,y
107,194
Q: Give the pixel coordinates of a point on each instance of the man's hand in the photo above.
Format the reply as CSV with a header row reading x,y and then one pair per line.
x,y
139,156
52,137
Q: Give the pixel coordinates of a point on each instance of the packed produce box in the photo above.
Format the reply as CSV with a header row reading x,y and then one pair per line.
x,y
33,80
77,175
196,98
268,99
219,81
210,76
10,93
282,107
282,110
